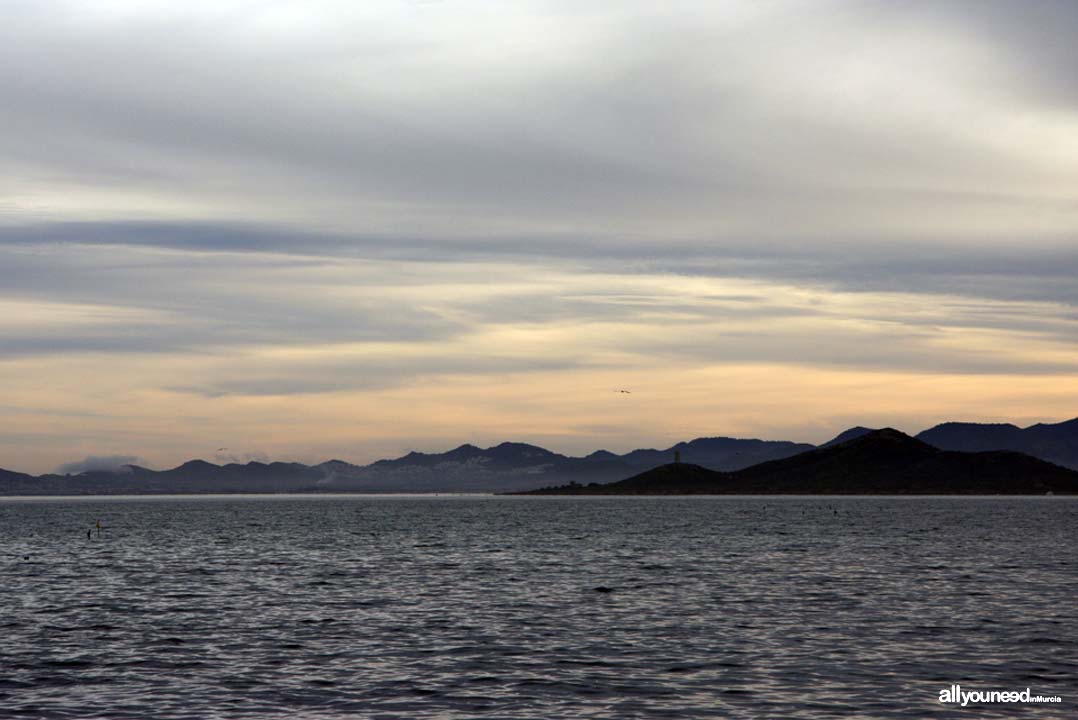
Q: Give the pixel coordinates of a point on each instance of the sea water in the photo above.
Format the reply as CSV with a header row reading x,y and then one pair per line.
x,y
535,607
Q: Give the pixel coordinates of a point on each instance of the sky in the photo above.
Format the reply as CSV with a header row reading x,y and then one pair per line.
x,y
311,230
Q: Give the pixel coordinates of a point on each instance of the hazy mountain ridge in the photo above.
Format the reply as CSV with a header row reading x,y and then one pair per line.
x,y
1055,442
512,466
847,435
505,467
880,462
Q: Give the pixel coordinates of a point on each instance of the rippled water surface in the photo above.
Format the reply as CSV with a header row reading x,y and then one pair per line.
x,y
431,607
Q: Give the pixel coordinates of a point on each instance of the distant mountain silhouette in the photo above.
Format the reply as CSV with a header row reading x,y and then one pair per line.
x,y
512,466
845,435
1056,443
17,483
717,453
878,462
195,476
468,468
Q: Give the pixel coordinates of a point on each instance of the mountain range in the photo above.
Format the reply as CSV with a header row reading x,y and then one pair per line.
x,y
1057,443
510,467
879,462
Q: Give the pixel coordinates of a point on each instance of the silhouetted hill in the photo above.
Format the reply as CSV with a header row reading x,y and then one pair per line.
x,y
1055,442
847,435
519,466
197,476
879,462
717,453
16,483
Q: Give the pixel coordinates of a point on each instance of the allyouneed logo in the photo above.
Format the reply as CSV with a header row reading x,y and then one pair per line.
x,y
955,694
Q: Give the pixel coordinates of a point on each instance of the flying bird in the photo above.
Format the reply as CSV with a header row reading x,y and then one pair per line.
x,y
220,449
625,391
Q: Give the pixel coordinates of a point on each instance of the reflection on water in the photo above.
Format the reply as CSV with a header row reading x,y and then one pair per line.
x,y
430,607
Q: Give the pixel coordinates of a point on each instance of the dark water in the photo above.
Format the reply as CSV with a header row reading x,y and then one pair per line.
x,y
447,607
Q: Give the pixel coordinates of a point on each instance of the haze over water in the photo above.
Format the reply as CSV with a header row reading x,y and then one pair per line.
x,y
430,607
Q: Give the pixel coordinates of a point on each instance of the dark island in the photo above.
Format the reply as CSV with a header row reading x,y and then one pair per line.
x,y
878,462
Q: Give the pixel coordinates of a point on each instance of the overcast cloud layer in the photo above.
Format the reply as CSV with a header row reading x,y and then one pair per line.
x,y
303,230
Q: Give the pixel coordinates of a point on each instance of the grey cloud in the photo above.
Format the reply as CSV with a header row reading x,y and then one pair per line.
x,y
205,305
1018,270
899,348
654,141
192,236
691,129
308,247
214,303
1015,272
169,123
306,378
253,321
53,412
94,463
1038,38
145,339
536,307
